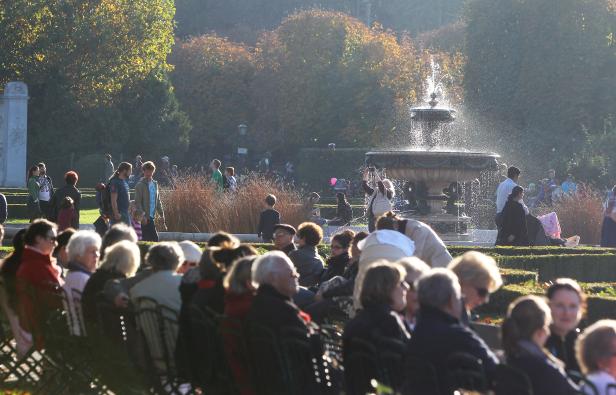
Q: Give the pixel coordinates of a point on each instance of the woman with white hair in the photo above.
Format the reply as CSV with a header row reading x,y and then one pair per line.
x,y
415,268
381,195
121,261
83,252
192,256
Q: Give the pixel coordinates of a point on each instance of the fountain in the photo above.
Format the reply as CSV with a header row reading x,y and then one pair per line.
x,y
431,175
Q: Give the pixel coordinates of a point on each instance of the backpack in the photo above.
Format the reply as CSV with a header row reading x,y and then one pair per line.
x,y
380,204
105,204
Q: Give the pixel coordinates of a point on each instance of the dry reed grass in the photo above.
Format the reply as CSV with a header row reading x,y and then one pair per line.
x,y
195,205
580,214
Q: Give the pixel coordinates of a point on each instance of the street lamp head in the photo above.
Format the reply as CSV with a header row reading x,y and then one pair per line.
x,y
242,129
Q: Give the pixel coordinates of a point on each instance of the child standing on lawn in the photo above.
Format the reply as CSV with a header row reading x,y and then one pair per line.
x,y
67,213
136,217
268,219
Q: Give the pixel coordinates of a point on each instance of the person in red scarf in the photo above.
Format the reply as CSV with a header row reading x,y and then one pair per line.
x,y
38,278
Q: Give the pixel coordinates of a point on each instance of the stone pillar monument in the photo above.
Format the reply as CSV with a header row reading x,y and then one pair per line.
x,y
13,134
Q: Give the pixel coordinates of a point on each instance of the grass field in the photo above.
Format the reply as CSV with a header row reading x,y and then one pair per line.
x,y
86,217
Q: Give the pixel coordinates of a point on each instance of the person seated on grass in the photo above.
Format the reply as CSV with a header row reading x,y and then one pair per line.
x,y
383,298
567,303
121,261
340,255
479,277
524,332
283,238
415,268
344,211
306,258
439,333
268,219
595,349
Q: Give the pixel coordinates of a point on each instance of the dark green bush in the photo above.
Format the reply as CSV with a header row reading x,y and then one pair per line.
x,y
582,267
542,250
517,276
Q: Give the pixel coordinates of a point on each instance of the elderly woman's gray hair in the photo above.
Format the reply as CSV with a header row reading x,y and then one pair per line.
x,y
123,257
165,256
192,252
437,288
596,343
267,265
239,276
414,267
80,242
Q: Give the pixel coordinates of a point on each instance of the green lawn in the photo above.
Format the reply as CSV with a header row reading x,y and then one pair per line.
x,y
86,217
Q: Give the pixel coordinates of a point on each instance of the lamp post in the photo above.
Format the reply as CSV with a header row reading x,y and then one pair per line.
x,y
242,151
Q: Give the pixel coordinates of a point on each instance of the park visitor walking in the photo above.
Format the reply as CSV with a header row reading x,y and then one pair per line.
x,y
70,190
147,199
34,209
217,177
45,191
120,198
108,169
608,229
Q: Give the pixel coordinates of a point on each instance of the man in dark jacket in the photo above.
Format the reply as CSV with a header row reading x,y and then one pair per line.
x,y
283,238
268,219
439,332
70,189
274,313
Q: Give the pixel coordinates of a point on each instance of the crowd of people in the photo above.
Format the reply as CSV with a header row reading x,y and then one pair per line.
x,y
396,292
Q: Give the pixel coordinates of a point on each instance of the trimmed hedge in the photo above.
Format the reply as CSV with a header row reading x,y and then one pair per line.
x,y
541,250
599,306
582,267
516,276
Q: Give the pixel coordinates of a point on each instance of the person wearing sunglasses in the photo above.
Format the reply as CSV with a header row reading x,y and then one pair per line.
x,y
479,277
340,255
415,268
37,277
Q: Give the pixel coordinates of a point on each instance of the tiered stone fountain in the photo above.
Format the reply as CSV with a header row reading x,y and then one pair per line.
x,y
432,170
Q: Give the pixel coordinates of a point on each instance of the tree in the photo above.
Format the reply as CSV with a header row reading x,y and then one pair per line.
x,y
546,70
326,77
77,58
213,78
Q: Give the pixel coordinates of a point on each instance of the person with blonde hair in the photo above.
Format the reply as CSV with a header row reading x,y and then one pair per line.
x,y
478,276
121,261
524,332
596,354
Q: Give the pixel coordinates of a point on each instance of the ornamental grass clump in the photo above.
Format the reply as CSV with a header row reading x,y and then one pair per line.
x,y
195,205
580,214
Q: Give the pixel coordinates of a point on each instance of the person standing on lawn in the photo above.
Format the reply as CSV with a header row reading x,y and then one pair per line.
x,y
70,189
120,198
147,199
217,177
45,191
108,169
34,209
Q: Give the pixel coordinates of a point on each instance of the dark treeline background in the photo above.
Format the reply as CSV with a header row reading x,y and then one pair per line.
x,y
533,78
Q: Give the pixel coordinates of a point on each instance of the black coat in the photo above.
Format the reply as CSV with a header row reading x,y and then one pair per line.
x,y
377,325
438,335
58,197
564,349
545,376
336,265
94,287
267,220
273,310
513,224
